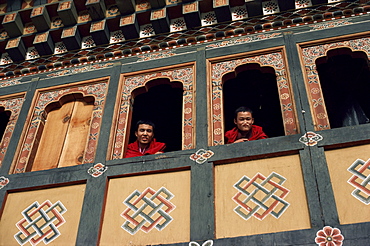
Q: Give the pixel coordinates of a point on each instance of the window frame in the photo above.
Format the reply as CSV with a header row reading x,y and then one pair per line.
x,y
222,66
310,53
12,103
183,73
43,97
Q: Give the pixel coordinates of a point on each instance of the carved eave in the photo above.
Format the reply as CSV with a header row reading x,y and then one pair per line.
x,y
100,32
16,49
129,26
222,10
40,18
44,44
126,7
254,8
68,13
191,14
160,21
96,9
157,3
71,38
13,24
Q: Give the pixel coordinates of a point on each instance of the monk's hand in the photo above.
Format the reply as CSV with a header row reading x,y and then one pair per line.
x,y
241,140
159,152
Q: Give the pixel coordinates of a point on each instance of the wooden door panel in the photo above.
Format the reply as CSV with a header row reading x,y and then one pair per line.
x,y
52,138
77,134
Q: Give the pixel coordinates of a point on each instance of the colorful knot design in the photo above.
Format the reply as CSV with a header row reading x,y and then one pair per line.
x,y
360,180
97,170
201,156
147,210
3,182
40,223
310,138
256,196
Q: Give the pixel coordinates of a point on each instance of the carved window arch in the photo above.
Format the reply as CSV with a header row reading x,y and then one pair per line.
x,y
28,147
313,57
9,110
224,70
184,75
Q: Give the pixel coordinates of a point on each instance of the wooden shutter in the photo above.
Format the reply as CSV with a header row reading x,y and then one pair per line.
x,y
64,136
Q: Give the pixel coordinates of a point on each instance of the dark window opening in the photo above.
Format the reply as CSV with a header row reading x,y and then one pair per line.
x,y
345,82
4,120
161,102
256,88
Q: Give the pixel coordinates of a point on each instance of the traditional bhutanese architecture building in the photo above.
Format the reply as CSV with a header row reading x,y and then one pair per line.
x,y
76,76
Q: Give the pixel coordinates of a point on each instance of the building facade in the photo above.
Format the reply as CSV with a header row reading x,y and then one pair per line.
x,y
76,76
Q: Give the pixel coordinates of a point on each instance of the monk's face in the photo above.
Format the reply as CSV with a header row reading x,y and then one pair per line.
x,y
244,121
144,134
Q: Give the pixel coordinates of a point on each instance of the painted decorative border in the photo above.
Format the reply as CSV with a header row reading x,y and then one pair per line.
x,y
243,39
330,24
10,82
310,55
76,70
184,75
13,105
275,60
98,90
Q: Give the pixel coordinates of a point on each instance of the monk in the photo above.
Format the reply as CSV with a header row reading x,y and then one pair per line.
x,y
145,143
244,130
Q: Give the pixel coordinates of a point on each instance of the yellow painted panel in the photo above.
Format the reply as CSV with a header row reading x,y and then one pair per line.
x,y
293,215
177,230
350,209
69,201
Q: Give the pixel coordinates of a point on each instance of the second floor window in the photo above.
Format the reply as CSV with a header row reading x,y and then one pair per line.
x,y
345,82
62,139
160,102
254,87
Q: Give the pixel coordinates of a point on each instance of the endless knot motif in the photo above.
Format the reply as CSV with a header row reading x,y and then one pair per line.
x,y
256,196
97,170
3,182
148,210
201,156
360,180
310,138
40,223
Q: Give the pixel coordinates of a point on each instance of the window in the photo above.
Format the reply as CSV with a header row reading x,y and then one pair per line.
x,y
256,88
345,82
161,102
63,136
4,119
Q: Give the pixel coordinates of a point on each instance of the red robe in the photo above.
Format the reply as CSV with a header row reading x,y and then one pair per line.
x,y
154,147
256,133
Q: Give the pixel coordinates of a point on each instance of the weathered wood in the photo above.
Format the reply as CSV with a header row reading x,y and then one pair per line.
x,y
76,135
52,139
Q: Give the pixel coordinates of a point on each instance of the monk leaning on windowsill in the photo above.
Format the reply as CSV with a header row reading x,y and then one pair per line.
x,y
145,143
244,130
